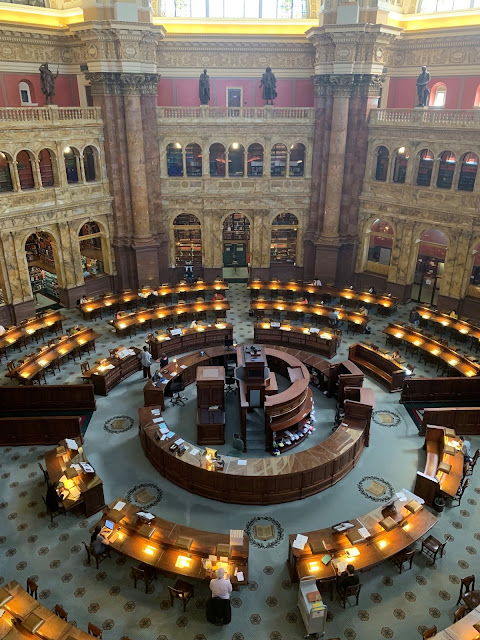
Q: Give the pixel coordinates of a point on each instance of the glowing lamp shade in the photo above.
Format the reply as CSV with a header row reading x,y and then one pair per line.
x,y
183,562
149,550
417,343
381,544
313,566
453,361
398,334
5,597
406,526
122,325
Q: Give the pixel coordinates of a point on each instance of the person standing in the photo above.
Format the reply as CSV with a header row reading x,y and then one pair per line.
x,y
221,587
414,317
145,358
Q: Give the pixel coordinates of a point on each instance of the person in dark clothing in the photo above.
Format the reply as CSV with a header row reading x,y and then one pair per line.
x,y
414,317
348,578
52,499
98,543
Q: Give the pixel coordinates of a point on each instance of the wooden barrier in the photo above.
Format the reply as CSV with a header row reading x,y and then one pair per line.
x,y
464,420
49,397
38,429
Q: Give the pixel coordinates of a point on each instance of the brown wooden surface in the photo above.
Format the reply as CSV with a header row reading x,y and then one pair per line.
x,y
90,485
38,429
210,393
128,540
21,605
431,390
388,302
463,629
111,371
325,342
451,356
371,554
128,320
204,335
126,297
462,326
319,310
49,397
38,361
463,420
30,327
380,366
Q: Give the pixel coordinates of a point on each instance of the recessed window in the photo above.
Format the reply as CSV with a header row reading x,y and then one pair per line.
x,y
440,96
25,95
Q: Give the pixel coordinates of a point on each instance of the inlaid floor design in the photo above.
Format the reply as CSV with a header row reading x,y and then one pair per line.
x,y
391,605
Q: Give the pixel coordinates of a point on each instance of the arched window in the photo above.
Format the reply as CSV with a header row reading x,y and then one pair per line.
x,y
71,167
381,242
446,170
187,236
193,160
476,102
278,161
381,170
400,167
174,159
25,91
91,250
429,269
5,173
24,168
236,159
46,168
425,168
255,160
439,95
468,172
217,160
297,160
40,253
89,164
283,247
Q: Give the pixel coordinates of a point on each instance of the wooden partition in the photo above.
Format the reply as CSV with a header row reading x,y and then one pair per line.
x,y
49,397
379,365
164,343
464,420
38,429
431,390
325,342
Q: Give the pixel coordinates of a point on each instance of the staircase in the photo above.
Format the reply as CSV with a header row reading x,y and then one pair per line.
x,y
256,432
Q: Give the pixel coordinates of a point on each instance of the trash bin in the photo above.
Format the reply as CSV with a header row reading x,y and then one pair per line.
x,y
439,504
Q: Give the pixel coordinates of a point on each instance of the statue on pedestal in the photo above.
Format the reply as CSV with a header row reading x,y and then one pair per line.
x,y
423,91
268,82
204,88
47,82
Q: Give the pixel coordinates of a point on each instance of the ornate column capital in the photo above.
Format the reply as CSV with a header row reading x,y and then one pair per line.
x,y
108,83
346,85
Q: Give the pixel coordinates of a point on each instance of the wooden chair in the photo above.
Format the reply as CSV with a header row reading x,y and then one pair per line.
x,y
39,377
181,590
460,492
54,514
352,590
473,462
145,573
94,631
468,584
84,366
54,365
32,588
460,613
99,557
432,547
46,477
429,633
60,612
404,556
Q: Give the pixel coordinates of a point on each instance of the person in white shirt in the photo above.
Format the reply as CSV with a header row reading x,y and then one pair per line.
x,y
145,358
220,586
466,449
2,330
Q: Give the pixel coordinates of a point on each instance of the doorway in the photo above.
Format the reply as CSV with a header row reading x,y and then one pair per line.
x,y
42,271
430,266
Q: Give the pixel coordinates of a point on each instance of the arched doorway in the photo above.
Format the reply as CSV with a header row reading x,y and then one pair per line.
x,y
91,250
429,269
39,249
236,241
187,235
283,245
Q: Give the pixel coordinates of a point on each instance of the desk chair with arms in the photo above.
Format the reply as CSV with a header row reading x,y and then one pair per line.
x,y
181,590
177,387
230,383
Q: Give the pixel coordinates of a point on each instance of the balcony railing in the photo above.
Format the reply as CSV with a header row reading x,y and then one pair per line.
x,y
258,114
50,115
455,118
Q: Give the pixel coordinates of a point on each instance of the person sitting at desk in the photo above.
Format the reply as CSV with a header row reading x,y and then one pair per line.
x,y
221,587
217,296
371,290
163,361
334,318
119,315
83,299
304,300
395,355
348,578
317,282
2,330
363,311
98,543
193,324
53,501
466,449
453,314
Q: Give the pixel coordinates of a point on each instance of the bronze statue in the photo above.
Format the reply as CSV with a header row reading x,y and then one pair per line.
x,y
268,82
47,82
204,88
423,91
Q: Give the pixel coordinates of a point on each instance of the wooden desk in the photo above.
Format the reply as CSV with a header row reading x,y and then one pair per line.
x,y
38,361
270,480
431,390
454,324
381,366
90,485
161,549
210,394
49,320
463,629
129,320
125,297
387,303
111,371
325,342
307,562
203,335
21,605
357,320
449,355
464,420
47,398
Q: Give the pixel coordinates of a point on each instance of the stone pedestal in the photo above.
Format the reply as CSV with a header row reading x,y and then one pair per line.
x,y
445,304
23,310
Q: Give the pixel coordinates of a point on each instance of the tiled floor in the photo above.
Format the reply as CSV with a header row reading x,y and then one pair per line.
x,y
391,605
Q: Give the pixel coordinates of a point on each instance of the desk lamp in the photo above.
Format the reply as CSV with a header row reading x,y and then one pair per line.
x,y
5,597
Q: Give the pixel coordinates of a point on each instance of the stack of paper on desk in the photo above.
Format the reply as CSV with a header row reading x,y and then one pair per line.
x,y
300,542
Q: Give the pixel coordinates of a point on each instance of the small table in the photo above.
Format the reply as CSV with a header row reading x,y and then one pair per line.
x,y
472,599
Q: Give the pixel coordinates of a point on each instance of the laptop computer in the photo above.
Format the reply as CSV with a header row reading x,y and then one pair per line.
x,y
107,528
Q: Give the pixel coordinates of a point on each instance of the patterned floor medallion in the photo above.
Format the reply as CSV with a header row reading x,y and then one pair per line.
x,y
145,495
118,424
262,526
386,418
371,487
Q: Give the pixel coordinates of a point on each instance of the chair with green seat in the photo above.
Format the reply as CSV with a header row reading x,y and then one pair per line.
x,y
237,445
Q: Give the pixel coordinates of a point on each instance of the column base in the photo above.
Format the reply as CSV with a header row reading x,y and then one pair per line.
x,y
366,280
138,265
403,292
22,310
445,304
469,308
92,287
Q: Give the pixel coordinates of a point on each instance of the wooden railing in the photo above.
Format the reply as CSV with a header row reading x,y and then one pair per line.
x,y
50,115
463,118
242,113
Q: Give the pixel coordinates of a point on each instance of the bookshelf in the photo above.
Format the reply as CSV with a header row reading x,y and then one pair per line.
x,y
188,240
283,246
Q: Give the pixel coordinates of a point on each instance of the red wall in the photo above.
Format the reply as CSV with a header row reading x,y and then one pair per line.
x,y
183,92
66,89
402,93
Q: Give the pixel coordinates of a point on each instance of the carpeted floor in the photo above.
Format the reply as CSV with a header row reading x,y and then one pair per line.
x,y
391,605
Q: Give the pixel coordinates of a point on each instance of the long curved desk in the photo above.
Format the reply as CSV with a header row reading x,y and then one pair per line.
x,y
51,320
456,324
166,343
325,342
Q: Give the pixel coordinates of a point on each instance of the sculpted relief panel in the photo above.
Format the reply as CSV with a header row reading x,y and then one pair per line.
x,y
414,53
